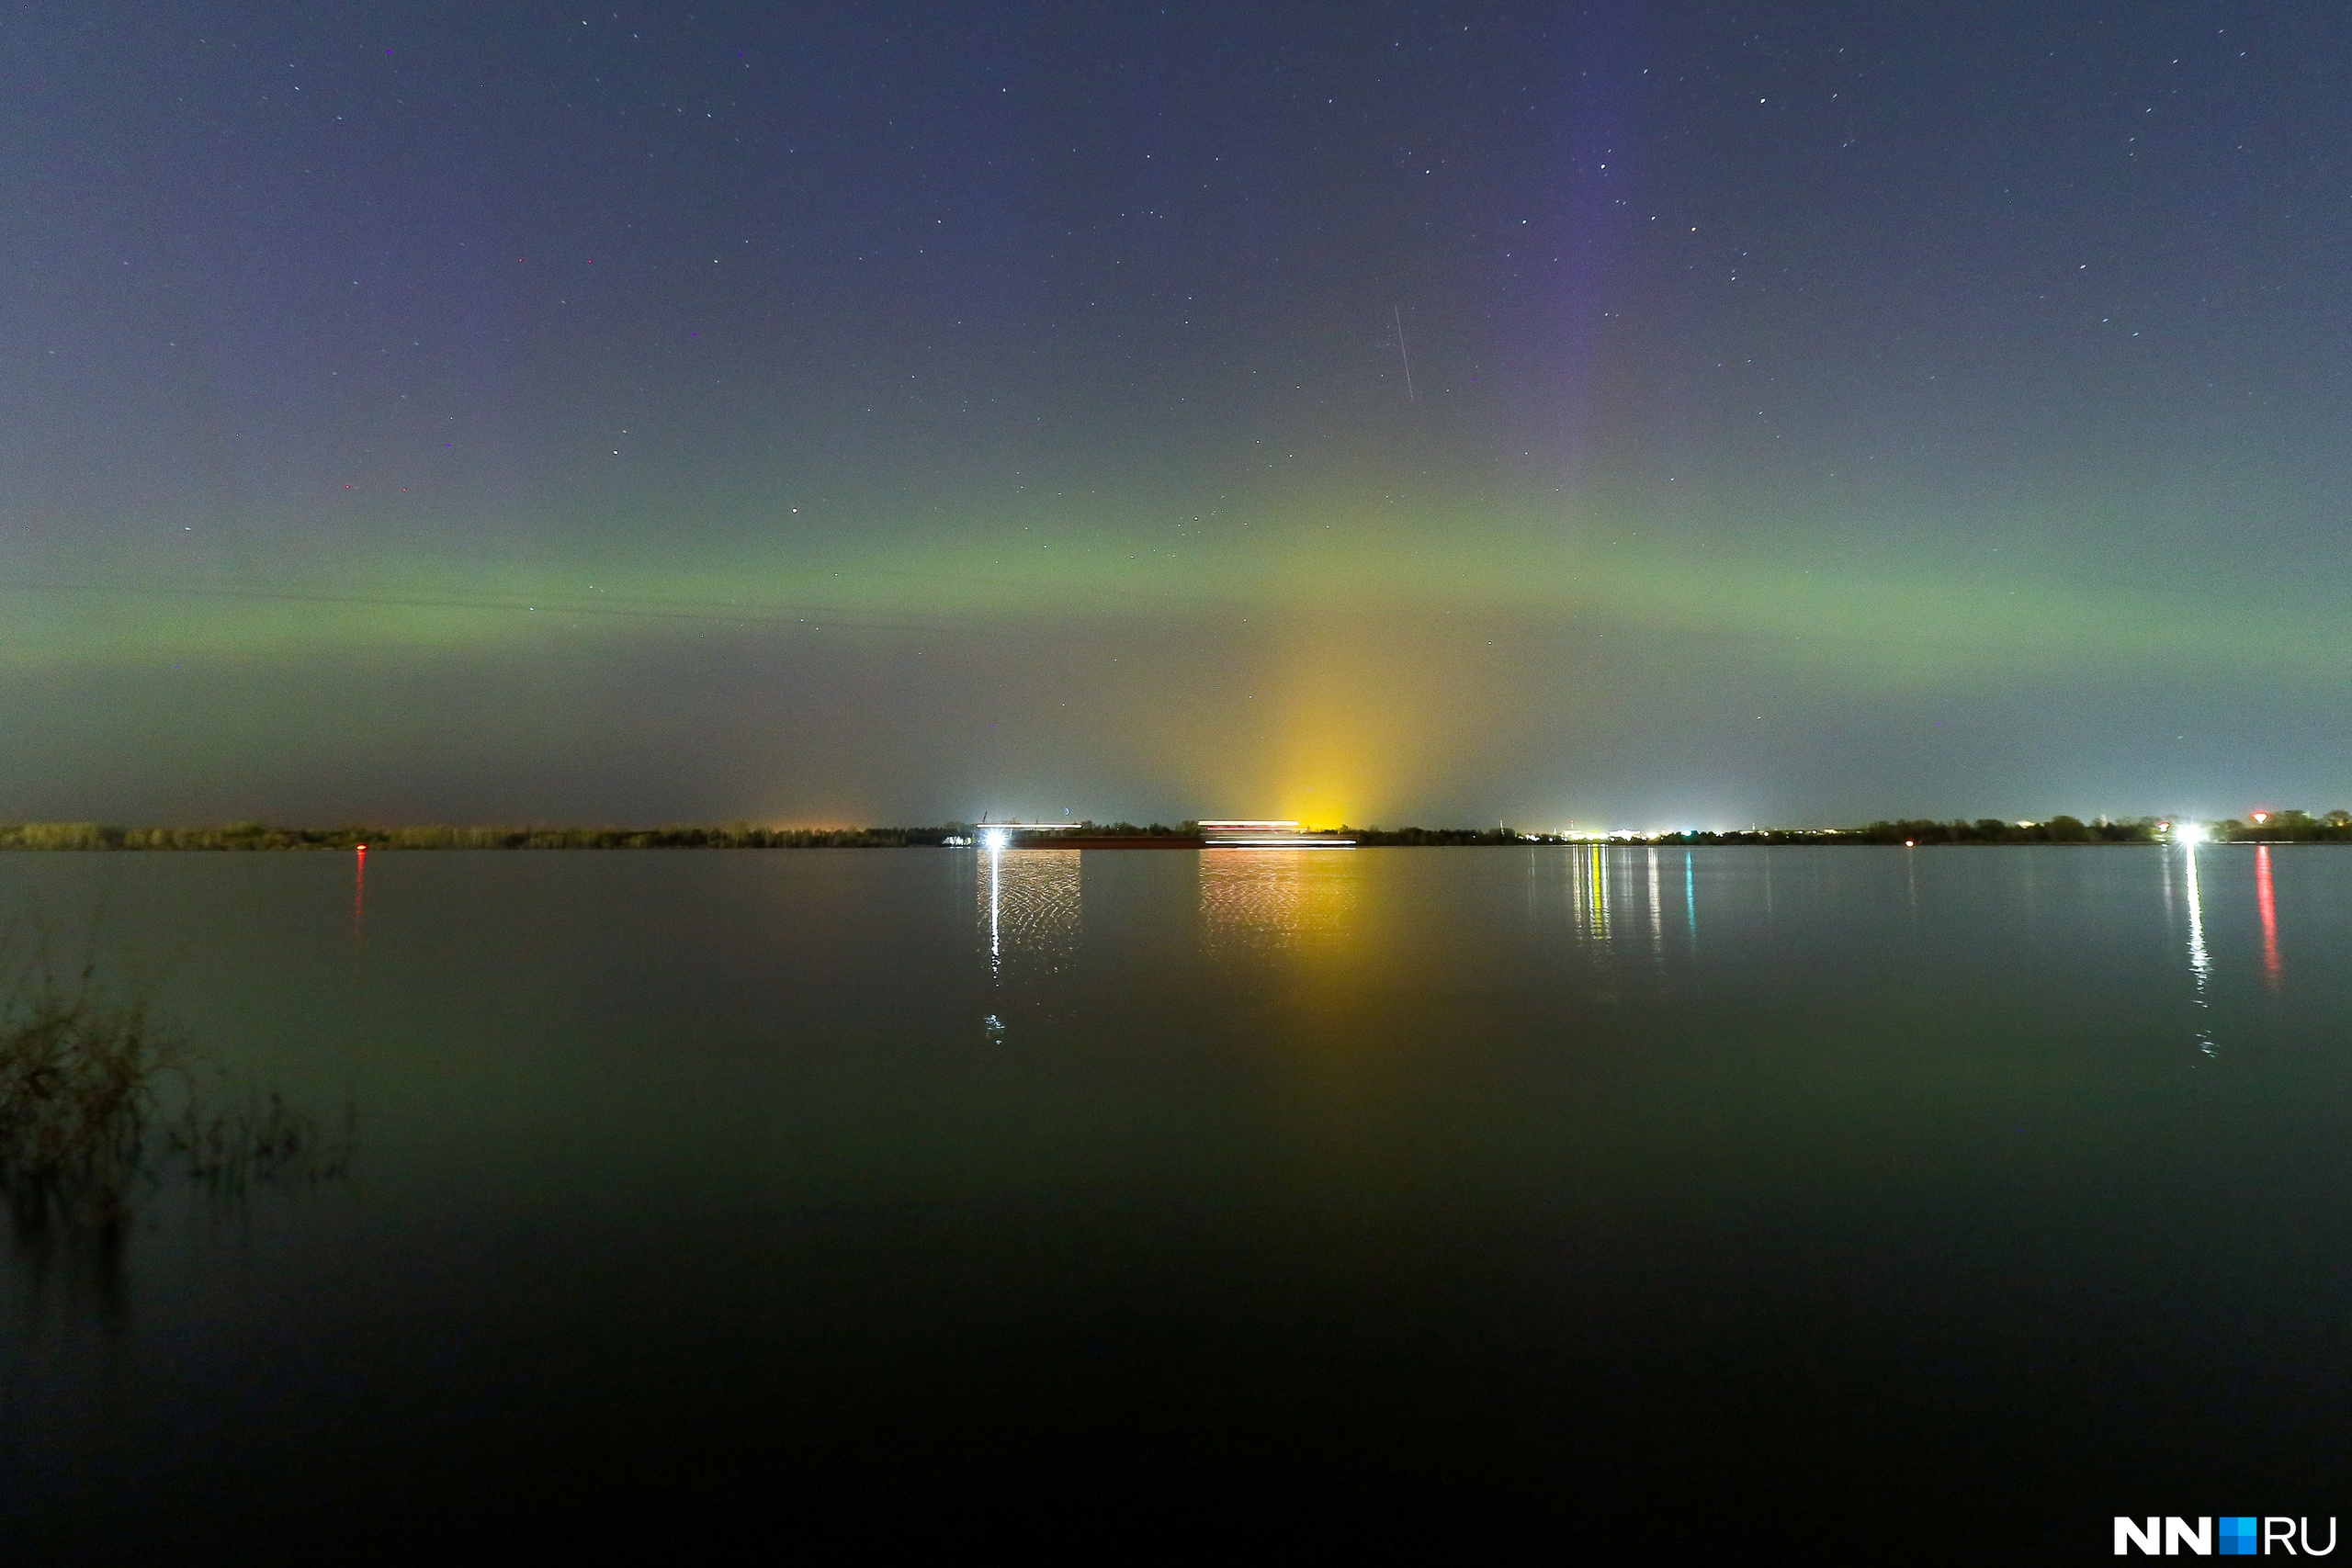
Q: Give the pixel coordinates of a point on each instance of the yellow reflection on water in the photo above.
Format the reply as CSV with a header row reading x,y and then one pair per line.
x,y
1265,900
1593,879
1618,897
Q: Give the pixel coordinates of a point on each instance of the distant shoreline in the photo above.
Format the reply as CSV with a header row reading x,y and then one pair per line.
x,y
2292,827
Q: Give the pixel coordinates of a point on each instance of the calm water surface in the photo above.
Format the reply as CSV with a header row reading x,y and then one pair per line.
x,y
1663,1201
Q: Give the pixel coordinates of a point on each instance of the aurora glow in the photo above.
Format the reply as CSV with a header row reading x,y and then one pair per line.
x,y
804,417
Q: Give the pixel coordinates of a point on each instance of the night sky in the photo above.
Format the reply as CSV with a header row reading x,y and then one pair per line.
x,y
894,413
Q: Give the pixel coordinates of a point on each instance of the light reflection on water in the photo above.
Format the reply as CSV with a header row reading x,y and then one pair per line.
x,y
1594,876
1031,902
2200,961
1261,902
1691,897
1264,904
1657,914
2269,908
1469,1140
1615,898
1030,922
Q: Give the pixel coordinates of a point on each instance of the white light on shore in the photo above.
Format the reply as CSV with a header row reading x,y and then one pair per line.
x,y
2188,832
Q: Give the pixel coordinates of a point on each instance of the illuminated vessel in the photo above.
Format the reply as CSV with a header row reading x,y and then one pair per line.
x,y
1268,836
1225,835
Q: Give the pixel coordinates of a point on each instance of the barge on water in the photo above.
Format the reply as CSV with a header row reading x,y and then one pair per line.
x,y
993,837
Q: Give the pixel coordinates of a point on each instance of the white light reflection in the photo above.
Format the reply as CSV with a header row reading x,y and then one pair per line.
x,y
1657,912
2200,963
995,842
1031,910
993,847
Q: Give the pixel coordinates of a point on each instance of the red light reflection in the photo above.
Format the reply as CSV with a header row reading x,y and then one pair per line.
x,y
2269,908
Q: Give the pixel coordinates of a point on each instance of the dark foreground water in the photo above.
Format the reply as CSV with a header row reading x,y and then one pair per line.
x,y
1651,1204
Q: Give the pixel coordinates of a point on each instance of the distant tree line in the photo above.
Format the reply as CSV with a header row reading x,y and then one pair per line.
x,y
736,836
1093,830
1381,836
263,836
2287,828
1993,831
2281,826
